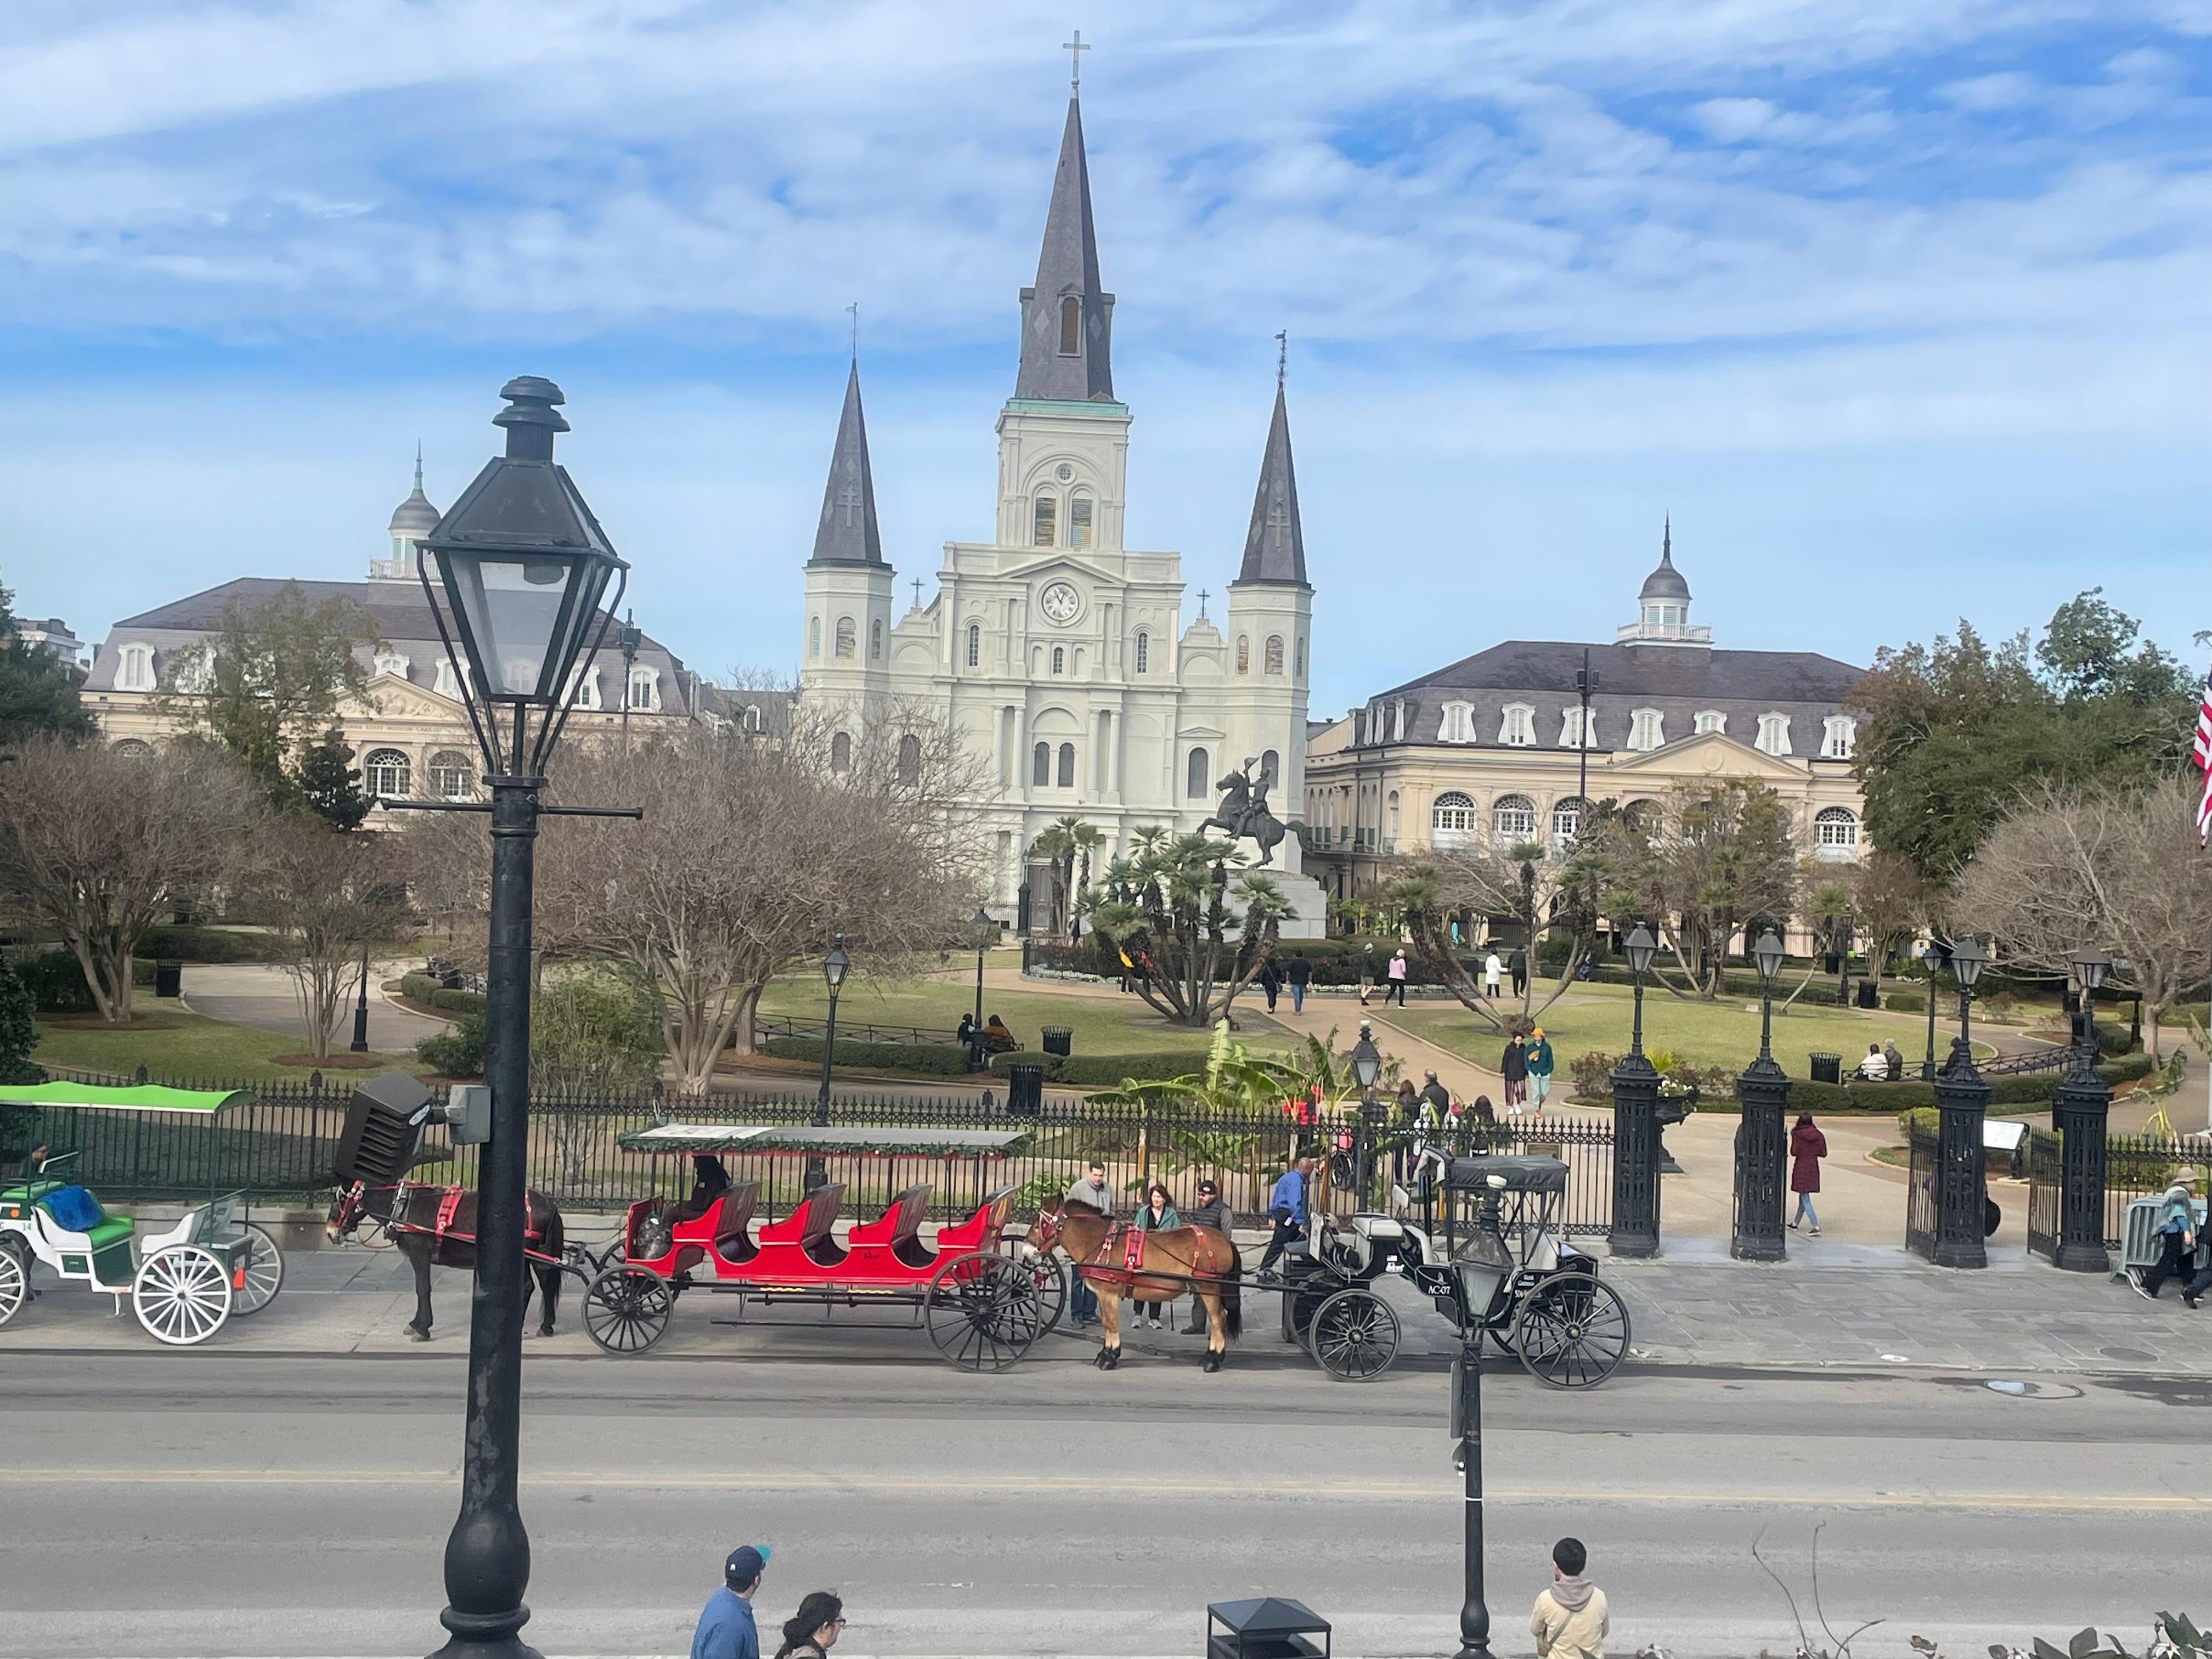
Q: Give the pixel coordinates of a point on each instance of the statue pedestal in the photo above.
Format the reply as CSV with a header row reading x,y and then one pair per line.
x,y
1311,904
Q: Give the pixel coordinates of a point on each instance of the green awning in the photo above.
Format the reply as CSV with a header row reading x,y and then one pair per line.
x,y
144,1097
829,1143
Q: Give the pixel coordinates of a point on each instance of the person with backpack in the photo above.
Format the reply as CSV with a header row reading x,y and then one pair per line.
x,y
1270,978
811,1631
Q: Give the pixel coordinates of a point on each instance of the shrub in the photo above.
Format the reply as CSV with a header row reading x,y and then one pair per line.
x,y
1904,1002
936,1059
594,1033
56,983
1593,1072
457,1053
208,945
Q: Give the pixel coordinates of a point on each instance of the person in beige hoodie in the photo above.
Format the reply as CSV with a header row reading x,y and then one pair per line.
x,y
1570,1619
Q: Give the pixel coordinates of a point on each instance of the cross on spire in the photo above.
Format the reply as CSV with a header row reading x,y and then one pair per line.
x,y
1202,597
848,497
917,592
1282,354
1075,49
853,312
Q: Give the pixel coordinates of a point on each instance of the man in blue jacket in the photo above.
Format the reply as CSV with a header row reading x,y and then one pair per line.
x,y
1286,1204
725,1624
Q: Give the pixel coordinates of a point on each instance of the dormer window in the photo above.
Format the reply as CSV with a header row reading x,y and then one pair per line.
x,y
645,688
1044,526
1774,734
1572,734
134,668
1070,326
1078,521
448,683
1457,723
1709,720
1839,733
584,687
1647,729
1517,727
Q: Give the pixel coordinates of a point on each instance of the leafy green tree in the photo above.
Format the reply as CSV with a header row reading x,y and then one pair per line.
x,y
1193,941
19,1029
330,783
38,695
1061,845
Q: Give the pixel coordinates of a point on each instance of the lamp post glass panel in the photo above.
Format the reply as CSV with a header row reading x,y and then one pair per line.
x,y
2090,968
521,567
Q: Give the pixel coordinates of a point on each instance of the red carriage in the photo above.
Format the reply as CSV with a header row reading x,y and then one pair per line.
x,y
984,1302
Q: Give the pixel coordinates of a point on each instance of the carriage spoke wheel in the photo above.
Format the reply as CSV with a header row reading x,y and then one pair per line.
x,y
984,1311
1354,1336
181,1295
264,1273
1050,1274
627,1310
14,1276
1572,1331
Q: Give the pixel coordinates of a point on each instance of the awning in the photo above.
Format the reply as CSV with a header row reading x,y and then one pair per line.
x,y
873,1142
144,1098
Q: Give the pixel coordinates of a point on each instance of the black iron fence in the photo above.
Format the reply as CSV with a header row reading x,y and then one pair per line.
x,y
849,1031
2136,1166
1922,1148
2045,1172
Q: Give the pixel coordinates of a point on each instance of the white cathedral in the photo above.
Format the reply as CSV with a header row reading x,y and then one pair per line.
x,y
1059,654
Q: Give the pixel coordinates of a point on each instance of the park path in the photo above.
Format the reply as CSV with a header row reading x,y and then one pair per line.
x,y
263,996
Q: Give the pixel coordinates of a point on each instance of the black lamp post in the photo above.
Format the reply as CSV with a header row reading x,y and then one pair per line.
x,y
833,975
1482,1267
1762,1145
1366,1072
1636,1125
1962,1103
986,931
521,569
360,1043
1931,963
2081,1109
629,638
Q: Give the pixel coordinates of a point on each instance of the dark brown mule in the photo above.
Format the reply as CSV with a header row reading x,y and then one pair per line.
x,y
439,1224
1167,1264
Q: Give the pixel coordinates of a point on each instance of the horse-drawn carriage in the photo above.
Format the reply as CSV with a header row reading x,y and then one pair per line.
x,y
182,1284
1502,1271
984,1306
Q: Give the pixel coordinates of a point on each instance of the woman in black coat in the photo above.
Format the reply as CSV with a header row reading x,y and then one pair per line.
x,y
1514,1067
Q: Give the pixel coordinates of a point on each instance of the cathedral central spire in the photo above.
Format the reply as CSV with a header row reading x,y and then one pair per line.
x,y
1068,318
847,532
1275,544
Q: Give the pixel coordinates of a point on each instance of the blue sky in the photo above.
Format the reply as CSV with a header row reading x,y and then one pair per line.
x,y
1899,307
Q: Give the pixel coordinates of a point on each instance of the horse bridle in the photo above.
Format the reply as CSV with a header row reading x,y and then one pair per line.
x,y
354,1213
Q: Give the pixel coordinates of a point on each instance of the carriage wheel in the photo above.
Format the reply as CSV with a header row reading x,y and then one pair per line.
x,y
1572,1331
14,1276
628,1309
1302,1302
1050,1273
181,1295
984,1311
1355,1336
264,1273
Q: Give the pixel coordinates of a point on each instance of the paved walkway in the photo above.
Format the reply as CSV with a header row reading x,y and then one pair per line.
x,y
264,997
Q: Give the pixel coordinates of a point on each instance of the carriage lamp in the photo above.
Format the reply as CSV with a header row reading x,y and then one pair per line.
x,y
1968,958
1767,954
1641,947
2089,966
834,965
1366,1062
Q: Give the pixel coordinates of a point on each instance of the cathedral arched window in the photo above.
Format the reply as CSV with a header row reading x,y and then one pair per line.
x,y
1201,774
1078,521
1271,768
1836,835
384,773
1274,657
1070,326
1041,766
847,636
841,752
814,636
134,749
875,640
1067,766
1044,524
1300,670
1144,651
974,645
909,759
1243,654
1060,660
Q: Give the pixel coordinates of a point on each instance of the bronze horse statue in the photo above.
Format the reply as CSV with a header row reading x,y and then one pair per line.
x,y
1118,1258
439,1224
1243,813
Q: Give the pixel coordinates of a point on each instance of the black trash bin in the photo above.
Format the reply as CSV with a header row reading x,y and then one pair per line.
x,y
1867,996
1058,1039
1827,1069
1265,1627
168,979
1024,1090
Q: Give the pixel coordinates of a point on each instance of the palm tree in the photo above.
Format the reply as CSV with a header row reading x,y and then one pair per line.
x,y
1061,845
1194,940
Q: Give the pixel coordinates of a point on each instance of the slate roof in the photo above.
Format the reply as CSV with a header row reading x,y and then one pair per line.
x,y
1665,582
415,517
1275,546
1067,263
848,532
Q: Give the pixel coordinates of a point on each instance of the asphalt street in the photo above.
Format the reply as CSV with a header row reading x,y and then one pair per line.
x,y
179,1504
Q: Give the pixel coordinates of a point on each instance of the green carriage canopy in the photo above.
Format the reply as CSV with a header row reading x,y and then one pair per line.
x,y
804,1138
142,1097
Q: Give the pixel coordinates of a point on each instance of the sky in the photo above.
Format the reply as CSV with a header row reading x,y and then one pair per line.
x,y
1902,309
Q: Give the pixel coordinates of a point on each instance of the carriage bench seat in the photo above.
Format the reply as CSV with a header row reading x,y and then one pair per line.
x,y
807,1229
898,1229
733,1224
107,1233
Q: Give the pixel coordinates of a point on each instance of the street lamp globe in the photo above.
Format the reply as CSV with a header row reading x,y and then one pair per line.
x,y
984,925
1641,948
1968,958
2091,966
833,965
1767,952
1366,1062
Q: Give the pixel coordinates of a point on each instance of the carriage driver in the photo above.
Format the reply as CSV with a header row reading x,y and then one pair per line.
x,y
1286,1206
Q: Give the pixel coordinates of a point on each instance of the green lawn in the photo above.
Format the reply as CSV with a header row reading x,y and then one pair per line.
x,y
1698,1033
182,1045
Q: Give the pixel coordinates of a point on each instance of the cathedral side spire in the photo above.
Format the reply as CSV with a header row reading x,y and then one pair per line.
x,y
1068,318
847,532
1275,546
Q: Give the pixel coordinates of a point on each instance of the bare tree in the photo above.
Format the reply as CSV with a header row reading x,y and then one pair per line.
x,y
2117,868
98,845
330,898
1720,856
1892,902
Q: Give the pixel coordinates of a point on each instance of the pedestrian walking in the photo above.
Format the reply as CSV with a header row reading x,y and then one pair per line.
x,y
1492,971
1570,1620
1366,974
1156,1215
1211,1211
1540,1069
811,1631
1513,1066
726,1629
2175,1227
1091,1189
1271,981
1517,969
1808,1146
1437,1098
1287,1208
1396,970
1298,976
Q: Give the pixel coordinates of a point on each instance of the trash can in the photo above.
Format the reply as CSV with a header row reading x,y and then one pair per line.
x,y
1827,1069
168,979
1058,1039
1024,1090
1867,996
1265,1627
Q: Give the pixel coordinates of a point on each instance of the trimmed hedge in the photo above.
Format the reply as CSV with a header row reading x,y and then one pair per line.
x,y
423,988
936,1059
1904,1002
1103,1071
2032,1091
208,945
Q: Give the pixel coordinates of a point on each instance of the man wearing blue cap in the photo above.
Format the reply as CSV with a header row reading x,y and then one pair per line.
x,y
725,1624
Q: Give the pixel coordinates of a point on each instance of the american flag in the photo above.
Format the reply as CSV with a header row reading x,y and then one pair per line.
x,y
2201,748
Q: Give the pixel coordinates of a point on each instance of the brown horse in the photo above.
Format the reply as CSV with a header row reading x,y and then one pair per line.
x,y
439,1224
1165,1265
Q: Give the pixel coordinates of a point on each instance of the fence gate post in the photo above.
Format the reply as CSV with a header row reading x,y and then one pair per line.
x,y
1635,1159
1962,1103
2080,1110
1761,1150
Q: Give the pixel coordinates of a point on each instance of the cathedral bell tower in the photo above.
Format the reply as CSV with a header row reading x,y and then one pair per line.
x,y
848,585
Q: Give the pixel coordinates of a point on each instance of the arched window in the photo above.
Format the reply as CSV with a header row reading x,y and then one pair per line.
x,y
848,637
1390,817
752,717
1060,660
1041,767
1044,524
1300,669
384,773
814,636
1271,767
1070,326
1774,734
1274,659
133,749
1836,835
875,640
1573,732
584,687
645,688
452,775
841,752
1516,725
1144,651
1838,732
1512,819
909,759
1243,654
1067,766
1709,720
448,683
1566,821
134,668
974,645
1451,819
1202,775
1078,521
1647,728
392,662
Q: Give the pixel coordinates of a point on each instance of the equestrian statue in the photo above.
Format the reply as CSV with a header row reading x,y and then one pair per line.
x,y
1244,813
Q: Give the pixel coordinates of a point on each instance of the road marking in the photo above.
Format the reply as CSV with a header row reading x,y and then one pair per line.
x,y
808,1480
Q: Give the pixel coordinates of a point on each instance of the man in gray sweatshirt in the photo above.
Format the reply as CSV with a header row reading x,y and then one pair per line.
x,y
1570,1620
1091,1189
